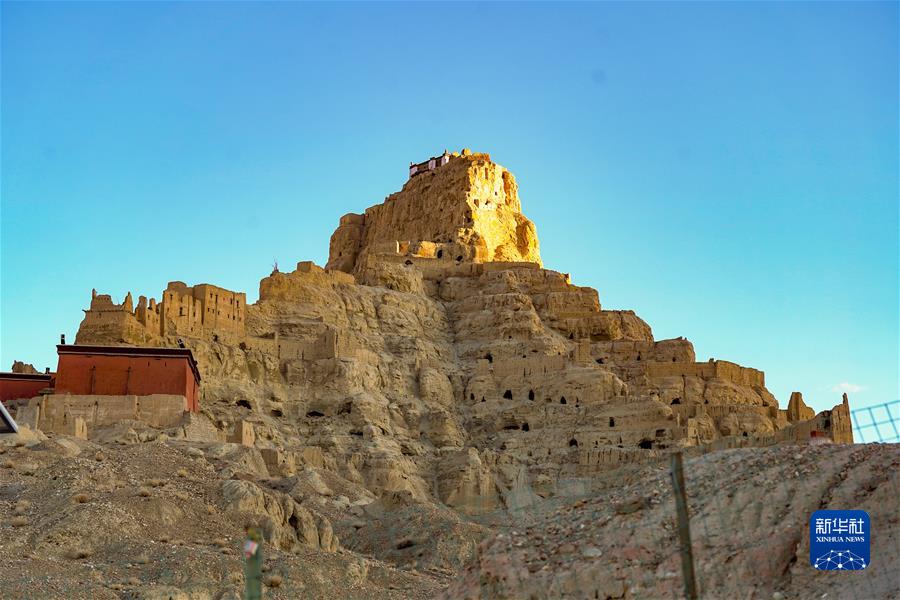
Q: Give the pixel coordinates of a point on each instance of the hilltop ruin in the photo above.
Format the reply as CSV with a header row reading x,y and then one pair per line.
x,y
392,409
435,337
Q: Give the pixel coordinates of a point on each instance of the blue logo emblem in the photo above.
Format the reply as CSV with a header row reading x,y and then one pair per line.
x,y
839,540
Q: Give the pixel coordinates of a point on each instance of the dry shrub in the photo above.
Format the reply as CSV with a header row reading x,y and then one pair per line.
x,y
220,542
78,552
81,498
181,495
182,472
153,483
143,492
27,468
18,521
236,577
143,559
21,507
8,464
273,581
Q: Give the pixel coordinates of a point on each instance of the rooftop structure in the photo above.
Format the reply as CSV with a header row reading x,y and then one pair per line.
x,y
429,165
14,386
125,371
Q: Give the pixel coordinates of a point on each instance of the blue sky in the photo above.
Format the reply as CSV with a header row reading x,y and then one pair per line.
x,y
727,170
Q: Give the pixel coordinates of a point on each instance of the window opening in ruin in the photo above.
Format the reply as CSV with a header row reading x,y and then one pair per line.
x,y
471,396
745,434
573,443
489,357
440,253
639,357
511,427
459,258
660,432
562,400
676,401
645,444
409,262
531,394
525,427
314,413
612,422
600,361
276,412
244,403
673,359
508,394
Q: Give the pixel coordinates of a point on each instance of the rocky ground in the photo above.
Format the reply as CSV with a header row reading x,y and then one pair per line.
x,y
749,509
154,519
137,514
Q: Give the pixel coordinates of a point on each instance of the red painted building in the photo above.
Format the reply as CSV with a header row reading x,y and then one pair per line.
x,y
14,386
124,371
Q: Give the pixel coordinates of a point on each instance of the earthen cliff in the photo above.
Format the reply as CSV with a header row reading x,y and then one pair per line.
x,y
435,373
434,335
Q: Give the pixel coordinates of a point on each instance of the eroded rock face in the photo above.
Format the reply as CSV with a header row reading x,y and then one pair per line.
x,y
21,367
285,522
466,210
436,363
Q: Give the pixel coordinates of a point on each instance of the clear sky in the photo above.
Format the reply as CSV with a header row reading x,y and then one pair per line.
x,y
727,170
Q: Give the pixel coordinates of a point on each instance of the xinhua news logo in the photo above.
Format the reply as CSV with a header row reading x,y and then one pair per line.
x,y
839,540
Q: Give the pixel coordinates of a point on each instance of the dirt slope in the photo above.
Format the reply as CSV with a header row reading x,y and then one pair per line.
x,y
750,510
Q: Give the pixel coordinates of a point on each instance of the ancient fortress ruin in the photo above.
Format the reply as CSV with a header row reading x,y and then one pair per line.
x,y
183,310
435,356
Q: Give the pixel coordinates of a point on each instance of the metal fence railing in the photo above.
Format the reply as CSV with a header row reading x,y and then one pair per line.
x,y
880,423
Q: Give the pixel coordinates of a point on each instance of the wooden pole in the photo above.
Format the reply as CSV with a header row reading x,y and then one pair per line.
x,y
684,528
